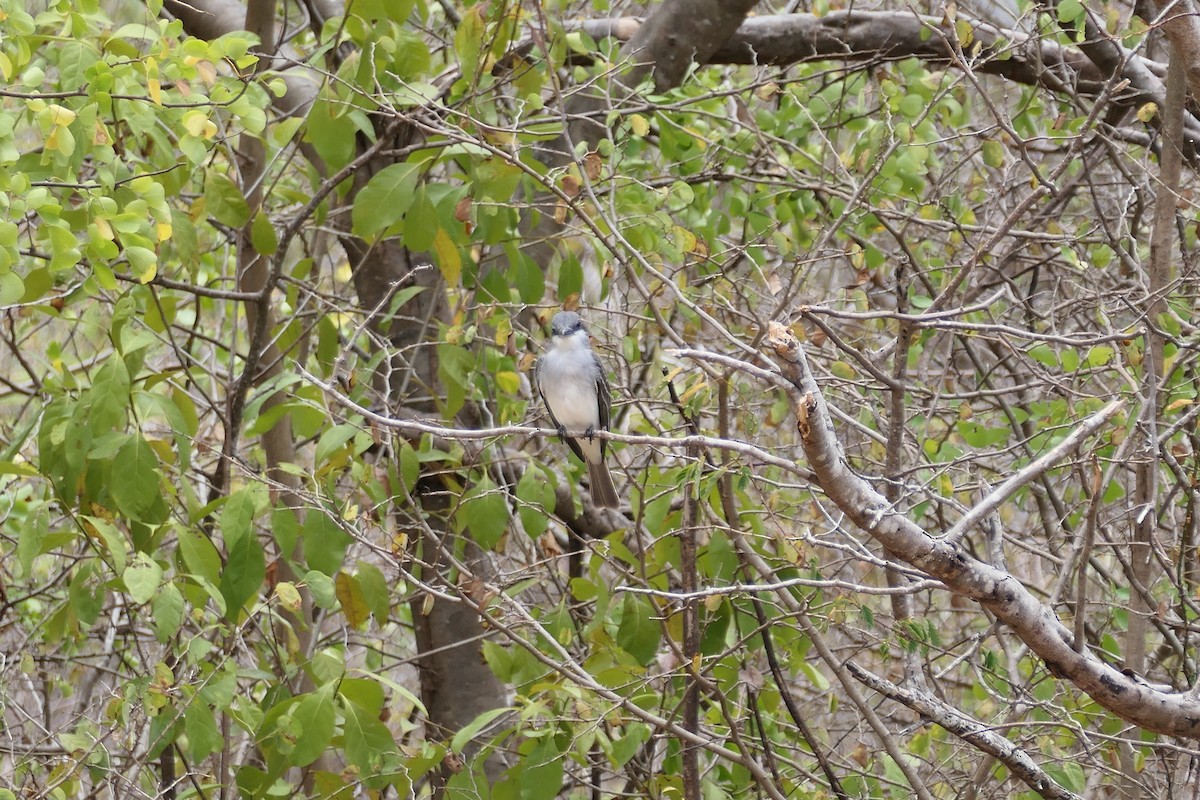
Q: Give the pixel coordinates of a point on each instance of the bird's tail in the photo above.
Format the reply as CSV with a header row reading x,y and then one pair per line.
x,y
604,494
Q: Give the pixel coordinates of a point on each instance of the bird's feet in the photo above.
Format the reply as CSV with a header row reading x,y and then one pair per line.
x,y
562,433
590,433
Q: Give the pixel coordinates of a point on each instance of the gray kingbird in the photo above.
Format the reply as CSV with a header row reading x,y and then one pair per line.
x,y
570,379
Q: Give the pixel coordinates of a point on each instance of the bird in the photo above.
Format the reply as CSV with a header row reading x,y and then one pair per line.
x,y
570,379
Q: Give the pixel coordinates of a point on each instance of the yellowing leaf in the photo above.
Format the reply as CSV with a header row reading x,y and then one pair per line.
x,y
198,124
163,231
966,33
60,139
349,594
448,258
508,381
639,125
1178,404
153,86
843,370
289,596
1147,111
60,115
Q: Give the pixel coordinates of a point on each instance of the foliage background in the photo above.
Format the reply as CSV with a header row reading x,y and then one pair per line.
x,y
275,515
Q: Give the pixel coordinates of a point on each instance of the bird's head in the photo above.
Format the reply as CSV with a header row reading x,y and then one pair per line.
x,y
567,330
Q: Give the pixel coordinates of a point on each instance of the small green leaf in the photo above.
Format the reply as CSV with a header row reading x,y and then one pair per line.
x,y
542,776
224,200
535,491
245,565
321,586
385,199
314,716
331,441
420,222
484,510
472,729
993,153
200,555
110,395
375,590
639,631
203,737
468,40
367,739
12,289
86,592
167,607
136,491
324,542
142,578
627,746
263,236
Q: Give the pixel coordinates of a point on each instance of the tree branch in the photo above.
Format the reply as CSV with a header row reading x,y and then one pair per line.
x,y
969,730
998,591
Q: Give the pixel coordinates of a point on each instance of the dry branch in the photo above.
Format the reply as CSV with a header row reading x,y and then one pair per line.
x,y
1128,697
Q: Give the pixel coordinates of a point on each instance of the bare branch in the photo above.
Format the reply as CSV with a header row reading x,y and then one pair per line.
x,y
1037,626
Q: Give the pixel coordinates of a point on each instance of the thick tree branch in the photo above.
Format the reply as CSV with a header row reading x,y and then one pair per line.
x,y
682,33
998,591
783,39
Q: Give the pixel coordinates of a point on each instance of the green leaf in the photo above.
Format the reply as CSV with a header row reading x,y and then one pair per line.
x,y
142,578
541,778
468,39
114,541
224,200
535,491
314,714
135,488
110,394
245,565
455,366
472,729
639,631
627,746
333,440
167,607
367,739
420,222
993,153
375,591
200,555
332,131
263,236
484,511
324,542
385,199
497,179
321,586
203,736
1069,10
86,592
12,288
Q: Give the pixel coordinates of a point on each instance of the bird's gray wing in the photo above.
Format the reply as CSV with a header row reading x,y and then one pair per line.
x,y
604,397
